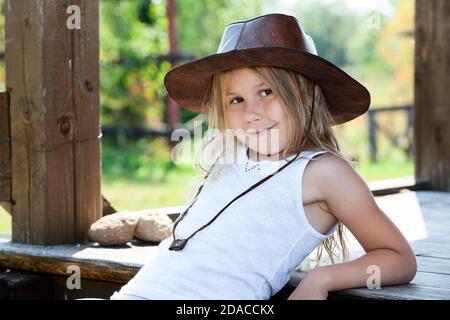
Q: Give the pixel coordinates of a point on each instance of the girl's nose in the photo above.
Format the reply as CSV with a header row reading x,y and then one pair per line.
x,y
253,111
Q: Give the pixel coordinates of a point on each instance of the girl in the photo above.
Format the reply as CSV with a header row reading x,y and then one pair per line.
x,y
277,186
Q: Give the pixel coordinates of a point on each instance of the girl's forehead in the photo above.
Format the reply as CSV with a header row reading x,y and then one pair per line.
x,y
242,75
240,72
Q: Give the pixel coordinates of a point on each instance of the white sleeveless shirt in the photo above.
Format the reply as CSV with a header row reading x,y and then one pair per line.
x,y
249,251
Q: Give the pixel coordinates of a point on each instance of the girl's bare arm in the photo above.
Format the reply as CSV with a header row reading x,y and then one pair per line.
x,y
350,200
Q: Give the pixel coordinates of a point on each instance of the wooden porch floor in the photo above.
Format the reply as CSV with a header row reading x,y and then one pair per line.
x,y
422,216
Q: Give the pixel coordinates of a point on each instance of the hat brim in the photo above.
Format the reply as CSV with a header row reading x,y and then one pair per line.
x,y
346,98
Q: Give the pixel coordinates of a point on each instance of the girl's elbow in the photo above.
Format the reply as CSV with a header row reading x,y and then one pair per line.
x,y
413,268
409,267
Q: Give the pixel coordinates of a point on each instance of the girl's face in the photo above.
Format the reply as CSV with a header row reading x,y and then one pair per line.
x,y
255,115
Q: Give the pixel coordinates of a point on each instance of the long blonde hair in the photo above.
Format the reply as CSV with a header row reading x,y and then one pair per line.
x,y
295,93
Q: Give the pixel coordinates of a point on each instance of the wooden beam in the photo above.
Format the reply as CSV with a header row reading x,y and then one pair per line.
x,y
172,107
114,264
432,102
107,208
396,185
20,285
52,75
5,150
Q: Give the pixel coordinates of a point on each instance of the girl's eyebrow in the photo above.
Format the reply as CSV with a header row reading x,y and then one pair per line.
x,y
258,85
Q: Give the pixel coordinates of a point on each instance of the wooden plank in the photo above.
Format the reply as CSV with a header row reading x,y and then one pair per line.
x,y
86,99
18,286
5,149
431,83
425,286
5,236
52,77
121,264
432,249
390,186
107,207
35,286
23,81
114,264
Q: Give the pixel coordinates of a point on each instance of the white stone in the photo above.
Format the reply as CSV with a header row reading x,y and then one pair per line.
x,y
114,229
154,227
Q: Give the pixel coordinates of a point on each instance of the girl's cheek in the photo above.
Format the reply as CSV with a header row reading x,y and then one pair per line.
x,y
275,111
235,119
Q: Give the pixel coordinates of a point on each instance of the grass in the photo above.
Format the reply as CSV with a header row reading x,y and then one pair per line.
x,y
126,194
5,221
387,170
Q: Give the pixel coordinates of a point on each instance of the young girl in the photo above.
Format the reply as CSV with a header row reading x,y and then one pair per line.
x,y
277,186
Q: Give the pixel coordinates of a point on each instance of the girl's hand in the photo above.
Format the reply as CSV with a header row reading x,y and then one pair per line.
x,y
312,287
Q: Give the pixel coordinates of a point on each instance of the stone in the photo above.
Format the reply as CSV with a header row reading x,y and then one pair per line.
x,y
114,229
154,227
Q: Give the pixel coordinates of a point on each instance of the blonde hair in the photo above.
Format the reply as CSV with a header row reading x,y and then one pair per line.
x,y
295,93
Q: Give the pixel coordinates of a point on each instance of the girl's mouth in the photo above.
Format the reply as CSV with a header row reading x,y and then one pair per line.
x,y
260,131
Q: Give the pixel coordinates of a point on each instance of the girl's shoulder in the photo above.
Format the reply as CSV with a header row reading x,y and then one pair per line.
x,y
326,170
328,164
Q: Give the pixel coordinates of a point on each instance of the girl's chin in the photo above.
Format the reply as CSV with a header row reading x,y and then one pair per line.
x,y
264,152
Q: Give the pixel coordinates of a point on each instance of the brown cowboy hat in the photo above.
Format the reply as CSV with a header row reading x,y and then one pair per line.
x,y
275,40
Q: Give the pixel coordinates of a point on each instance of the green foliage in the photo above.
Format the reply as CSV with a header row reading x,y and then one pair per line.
x,y
363,53
200,23
331,29
134,33
131,78
144,160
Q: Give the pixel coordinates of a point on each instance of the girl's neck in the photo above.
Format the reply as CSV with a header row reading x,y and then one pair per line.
x,y
256,157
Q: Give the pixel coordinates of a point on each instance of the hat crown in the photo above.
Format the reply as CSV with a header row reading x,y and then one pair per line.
x,y
271,30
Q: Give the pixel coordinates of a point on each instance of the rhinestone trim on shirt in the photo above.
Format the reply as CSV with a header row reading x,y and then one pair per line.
x,y
247,169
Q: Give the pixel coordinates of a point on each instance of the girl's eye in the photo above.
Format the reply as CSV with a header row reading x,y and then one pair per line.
x,y
235,99
266,91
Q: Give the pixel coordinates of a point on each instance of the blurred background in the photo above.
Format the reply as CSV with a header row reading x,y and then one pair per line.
x,y
141,39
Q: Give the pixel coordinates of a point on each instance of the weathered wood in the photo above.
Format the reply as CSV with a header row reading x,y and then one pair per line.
x,y
52,76
418,215
172,212
15,285
86,94
114,264
425,286
22,286
107,207
390,186
5,149
6,206
432,101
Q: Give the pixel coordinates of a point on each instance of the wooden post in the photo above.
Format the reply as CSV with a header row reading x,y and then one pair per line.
x,y
432,100
52,75
173,111
5,153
